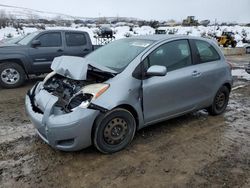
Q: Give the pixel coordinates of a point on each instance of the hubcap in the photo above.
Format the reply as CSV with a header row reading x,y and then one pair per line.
x,y
10,76
220,100
115,131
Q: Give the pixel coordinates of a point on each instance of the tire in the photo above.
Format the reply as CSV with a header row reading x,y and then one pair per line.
x,y
114,131
248,50
234,43
16,73
225,45
220,101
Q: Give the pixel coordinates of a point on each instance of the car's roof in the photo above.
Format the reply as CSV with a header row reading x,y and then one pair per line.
x,y
162,37
62,30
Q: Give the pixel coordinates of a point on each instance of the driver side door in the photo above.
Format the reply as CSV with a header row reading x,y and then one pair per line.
x,y
43,54
173,94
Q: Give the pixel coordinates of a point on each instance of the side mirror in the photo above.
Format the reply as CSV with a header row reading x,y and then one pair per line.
x,y
35,43
156,70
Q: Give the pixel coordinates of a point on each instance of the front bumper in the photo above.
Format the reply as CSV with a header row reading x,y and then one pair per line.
x,y
67,132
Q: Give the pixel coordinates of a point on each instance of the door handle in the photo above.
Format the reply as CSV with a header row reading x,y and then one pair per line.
x,y
59,50
196,74
86,50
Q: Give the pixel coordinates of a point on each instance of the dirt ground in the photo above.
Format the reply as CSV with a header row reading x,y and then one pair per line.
x,y
195,150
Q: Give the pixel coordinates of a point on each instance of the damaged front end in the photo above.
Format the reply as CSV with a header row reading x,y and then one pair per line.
x,y
61,106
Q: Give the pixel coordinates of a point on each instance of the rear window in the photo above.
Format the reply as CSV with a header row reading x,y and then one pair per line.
x,y
206,52
75,39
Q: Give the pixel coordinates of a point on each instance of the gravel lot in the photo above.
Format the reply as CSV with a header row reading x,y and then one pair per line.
x,y
195,150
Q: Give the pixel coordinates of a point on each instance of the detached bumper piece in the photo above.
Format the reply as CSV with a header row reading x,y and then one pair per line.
x,y
63,131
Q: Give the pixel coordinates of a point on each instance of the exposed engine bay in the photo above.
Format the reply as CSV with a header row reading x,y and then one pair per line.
x,y
69,91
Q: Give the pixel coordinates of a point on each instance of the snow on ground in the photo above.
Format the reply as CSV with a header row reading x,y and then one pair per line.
x,y
241,74
124,31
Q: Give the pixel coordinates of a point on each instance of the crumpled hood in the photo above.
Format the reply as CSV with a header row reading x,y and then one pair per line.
x,y
75,67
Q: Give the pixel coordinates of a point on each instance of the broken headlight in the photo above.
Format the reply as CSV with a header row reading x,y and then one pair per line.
x,y
90,92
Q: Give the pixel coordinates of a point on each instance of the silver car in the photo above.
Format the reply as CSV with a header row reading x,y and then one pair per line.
x,y
131,83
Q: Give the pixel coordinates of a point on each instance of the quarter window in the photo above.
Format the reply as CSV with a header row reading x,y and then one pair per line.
x,y
75,39
206,52
50,40
174,55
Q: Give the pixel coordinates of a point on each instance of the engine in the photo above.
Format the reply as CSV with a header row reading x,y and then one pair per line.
x,y
64,88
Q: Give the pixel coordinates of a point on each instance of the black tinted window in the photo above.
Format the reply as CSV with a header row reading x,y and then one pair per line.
x,y
206,52
50,40
75,39
174,55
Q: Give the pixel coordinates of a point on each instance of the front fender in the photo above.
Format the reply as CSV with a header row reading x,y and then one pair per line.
x,y
23,59
123,92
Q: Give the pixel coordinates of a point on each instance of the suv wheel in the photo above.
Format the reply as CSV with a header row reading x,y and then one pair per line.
x,y
114,130
12,75
220,101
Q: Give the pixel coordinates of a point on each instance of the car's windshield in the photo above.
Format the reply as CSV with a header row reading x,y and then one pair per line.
x,y
14,40
28,38
118,54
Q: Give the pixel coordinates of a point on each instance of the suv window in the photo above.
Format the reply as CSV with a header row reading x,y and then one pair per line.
x,y
206,52
50,40
174,55
75,39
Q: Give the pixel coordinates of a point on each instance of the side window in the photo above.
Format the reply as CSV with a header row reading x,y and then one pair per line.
x,y
206,52
174,55
75,39
50,40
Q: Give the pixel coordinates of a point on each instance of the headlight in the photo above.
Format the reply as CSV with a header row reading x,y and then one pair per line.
x,y
95,89
83,98
49,76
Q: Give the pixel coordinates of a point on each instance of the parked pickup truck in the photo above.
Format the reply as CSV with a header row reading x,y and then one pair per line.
x,y
35,52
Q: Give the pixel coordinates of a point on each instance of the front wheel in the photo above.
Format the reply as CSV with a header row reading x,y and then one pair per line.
x,y
12,75
220,101
114,130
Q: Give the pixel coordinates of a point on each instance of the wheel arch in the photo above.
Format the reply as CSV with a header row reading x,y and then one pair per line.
x,y
14,60
228,85
132,110
127,107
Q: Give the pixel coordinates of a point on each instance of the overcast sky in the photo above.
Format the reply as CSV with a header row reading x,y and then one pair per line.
x,y
223,10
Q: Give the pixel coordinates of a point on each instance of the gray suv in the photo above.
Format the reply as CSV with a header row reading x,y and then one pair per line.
x,y
122,87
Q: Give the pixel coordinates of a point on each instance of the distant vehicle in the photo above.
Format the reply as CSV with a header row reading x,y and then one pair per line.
x,y
248,68
205,23
104,98
190,21
105,32
247,47
160,31
227,39
34,53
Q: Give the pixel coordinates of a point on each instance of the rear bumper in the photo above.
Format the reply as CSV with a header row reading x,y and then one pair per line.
x,y
67,132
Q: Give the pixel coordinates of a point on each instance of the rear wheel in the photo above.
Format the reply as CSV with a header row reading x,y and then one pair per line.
x,y
248,50
12,75
220,101
114,130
